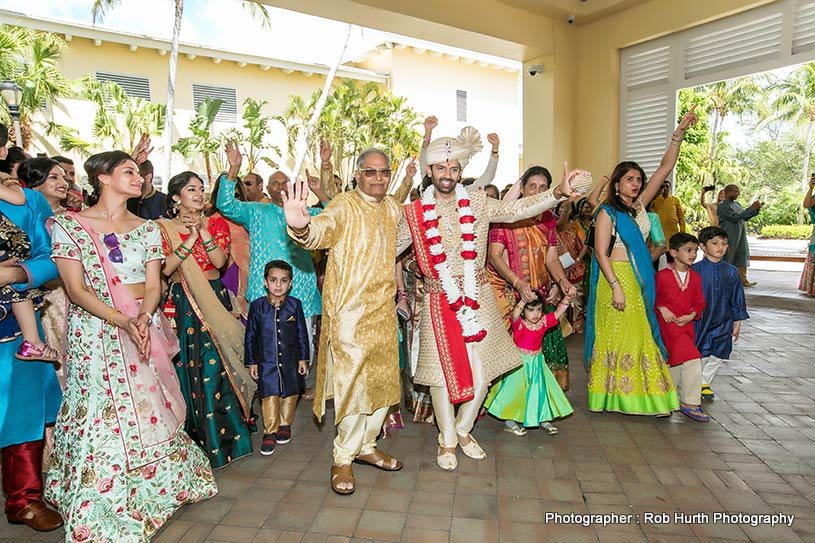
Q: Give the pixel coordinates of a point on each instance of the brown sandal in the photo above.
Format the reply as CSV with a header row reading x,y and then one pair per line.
x,y
379,460
342,474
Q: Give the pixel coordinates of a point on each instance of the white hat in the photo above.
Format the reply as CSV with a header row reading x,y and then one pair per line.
x,y
461,148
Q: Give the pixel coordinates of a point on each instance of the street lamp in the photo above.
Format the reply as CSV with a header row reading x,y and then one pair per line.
x,y
12,94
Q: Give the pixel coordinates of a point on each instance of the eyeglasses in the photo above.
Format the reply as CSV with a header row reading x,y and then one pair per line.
x,y
370,173
112,243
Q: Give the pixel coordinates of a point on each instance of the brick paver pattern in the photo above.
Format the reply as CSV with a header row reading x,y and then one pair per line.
x,y
757,455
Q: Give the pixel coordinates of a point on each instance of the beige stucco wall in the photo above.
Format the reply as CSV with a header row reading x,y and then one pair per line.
x,y
430,81
274,86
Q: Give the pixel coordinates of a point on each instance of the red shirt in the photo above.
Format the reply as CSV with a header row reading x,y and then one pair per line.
x,y
680,300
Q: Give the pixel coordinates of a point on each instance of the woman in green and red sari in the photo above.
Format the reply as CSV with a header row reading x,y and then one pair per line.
x,y
520,264
214,381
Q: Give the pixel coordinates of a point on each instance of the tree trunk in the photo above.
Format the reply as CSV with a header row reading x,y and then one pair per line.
x,y
807,152
168,120
713,140
209,169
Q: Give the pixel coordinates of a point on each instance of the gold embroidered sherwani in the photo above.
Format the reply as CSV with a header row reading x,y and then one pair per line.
x,y
497,352
358,362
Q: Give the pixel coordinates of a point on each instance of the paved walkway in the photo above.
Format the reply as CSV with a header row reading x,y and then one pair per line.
x,y
757,457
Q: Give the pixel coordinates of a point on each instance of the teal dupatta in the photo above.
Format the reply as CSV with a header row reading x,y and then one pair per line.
x,y
640,258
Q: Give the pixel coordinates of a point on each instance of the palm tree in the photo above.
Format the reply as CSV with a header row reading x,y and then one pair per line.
x,y
794,101
202,142
119,120
30,58
256,124
100,7
735,96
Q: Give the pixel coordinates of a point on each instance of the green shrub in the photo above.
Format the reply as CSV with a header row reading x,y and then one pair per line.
x,y
786,231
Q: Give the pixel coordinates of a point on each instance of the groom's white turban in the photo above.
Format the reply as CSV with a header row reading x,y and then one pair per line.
x,y
460,148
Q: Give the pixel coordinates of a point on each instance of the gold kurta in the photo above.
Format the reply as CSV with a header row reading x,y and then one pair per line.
x,y
497,352
358,362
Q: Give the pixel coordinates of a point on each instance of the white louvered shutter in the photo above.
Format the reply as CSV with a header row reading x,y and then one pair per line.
x,y
803,37
461,106
646,124
133,85
738,45
647,68
229,108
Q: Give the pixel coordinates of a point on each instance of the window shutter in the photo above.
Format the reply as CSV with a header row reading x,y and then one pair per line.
x,y
229,108
134,86
648,68
646,124
803,36
461,106
737,45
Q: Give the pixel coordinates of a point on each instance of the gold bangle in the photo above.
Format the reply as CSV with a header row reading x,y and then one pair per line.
x,y
111,314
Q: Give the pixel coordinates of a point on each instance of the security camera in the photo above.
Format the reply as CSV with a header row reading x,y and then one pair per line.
x,y
534,69
570,19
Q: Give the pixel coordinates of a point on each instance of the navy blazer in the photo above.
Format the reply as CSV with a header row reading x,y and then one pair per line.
x,y
276,340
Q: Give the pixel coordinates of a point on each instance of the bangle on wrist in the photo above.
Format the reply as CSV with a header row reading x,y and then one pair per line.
x,y
111,315
211,248
181,256
615,282
514,281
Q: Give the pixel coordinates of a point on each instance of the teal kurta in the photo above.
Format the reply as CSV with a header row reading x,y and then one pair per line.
x,y
268,240
29,391
732,218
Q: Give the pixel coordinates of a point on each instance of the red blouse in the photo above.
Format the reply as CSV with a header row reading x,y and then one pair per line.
x,y
219,229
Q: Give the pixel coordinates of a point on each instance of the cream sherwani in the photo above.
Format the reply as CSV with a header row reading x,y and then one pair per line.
x,y
358,361
495,354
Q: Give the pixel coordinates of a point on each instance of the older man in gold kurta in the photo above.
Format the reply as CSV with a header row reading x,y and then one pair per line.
x,y
358,364
459,358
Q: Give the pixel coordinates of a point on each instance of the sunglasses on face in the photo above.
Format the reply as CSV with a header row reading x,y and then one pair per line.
x,y
370,173
115,251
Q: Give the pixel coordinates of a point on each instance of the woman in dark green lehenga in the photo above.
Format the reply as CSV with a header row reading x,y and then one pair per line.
x,y
213,379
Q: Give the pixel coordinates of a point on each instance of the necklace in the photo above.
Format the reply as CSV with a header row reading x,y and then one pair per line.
x,y
463,301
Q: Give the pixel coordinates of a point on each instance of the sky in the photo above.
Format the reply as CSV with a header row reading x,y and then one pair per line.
x,y
293,36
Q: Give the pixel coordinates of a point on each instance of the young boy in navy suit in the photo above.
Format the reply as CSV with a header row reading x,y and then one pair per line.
x,y
277,353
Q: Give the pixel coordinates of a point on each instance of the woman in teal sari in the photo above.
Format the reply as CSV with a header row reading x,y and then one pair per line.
x,y
216,386
623,346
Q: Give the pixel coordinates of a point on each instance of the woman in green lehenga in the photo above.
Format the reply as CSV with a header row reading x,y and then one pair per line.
x,y
623,346
214,382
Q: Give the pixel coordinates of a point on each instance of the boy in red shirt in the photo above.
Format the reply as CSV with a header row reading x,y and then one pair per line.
x,y
680,301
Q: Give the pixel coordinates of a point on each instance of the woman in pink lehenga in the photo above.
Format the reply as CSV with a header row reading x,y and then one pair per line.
x,y
122,463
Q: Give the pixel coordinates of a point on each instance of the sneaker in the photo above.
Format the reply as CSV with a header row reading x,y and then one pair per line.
x,y
269,442
283,435
707,393
549,428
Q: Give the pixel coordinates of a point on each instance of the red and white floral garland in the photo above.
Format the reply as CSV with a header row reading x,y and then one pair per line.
x,y
464,304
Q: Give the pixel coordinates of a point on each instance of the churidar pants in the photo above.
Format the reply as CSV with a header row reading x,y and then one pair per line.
x,y
356,435
451,425
22,474
688,380
277,412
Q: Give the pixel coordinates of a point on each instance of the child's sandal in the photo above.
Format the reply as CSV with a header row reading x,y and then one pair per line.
x,y
695,413
31,353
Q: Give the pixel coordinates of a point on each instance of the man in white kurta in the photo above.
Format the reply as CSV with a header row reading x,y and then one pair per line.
x,y
464,343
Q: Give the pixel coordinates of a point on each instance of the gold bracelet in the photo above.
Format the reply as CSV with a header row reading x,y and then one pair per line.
x,y
111,314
